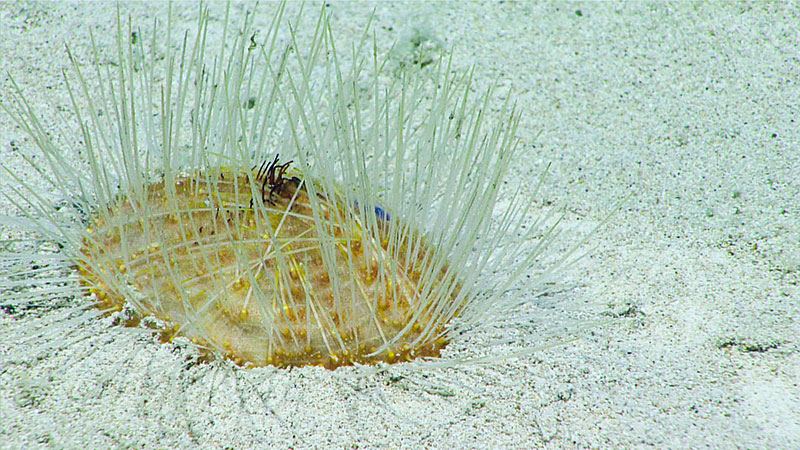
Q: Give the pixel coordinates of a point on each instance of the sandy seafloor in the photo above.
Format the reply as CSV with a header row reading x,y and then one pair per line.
x,y
692,108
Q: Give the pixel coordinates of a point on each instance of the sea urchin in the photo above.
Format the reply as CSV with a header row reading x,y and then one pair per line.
x,y
362,242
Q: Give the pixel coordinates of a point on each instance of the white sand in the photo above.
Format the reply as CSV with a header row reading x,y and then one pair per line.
x,y
693,109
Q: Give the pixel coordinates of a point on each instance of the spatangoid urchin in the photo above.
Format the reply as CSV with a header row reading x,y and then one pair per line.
x,y
274,202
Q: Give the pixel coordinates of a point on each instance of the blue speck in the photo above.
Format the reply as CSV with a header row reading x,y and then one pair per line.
x,y
380,213
383,215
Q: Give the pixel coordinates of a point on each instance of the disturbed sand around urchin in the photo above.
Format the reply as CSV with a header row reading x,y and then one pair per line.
x,y
696,279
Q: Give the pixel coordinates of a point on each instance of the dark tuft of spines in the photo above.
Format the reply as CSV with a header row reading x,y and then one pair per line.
x,y
272,177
